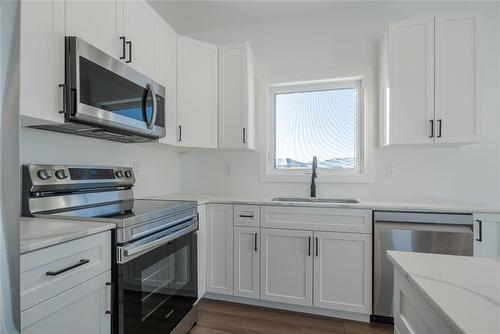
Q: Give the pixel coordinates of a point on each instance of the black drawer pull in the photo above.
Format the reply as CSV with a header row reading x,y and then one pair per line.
x,y
246,216
55,273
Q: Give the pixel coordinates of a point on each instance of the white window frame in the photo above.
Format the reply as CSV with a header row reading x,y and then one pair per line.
x,y
359,78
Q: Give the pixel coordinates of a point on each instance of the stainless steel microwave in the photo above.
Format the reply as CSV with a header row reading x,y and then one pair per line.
x,y
106,98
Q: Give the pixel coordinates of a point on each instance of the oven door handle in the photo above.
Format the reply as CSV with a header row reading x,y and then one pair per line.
x,y
132,251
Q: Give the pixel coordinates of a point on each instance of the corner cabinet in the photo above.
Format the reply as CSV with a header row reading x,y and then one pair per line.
x,y
236,96
428,82
196,93
219,238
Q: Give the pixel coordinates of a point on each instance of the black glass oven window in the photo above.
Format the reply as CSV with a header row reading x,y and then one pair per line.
x,y
90,174
107,90
157,289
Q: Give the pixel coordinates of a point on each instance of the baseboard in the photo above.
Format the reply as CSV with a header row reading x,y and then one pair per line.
x,y
289,307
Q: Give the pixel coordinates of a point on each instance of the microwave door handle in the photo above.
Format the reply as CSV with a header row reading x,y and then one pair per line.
x,y
155,107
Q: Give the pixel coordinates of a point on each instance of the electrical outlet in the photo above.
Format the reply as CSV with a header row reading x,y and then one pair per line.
x,y
228,169
391,169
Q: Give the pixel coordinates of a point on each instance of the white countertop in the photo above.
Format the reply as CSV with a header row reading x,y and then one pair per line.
x,y
36,233
466,290
449,206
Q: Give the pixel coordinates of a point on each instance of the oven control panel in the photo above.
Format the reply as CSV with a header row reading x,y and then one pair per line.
x,y
68,175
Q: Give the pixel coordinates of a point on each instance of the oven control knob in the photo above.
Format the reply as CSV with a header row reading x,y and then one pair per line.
x,y
119,174
128,174
61,174
44,174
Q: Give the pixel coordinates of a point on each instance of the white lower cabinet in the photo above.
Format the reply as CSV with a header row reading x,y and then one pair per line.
x,y
246,261
342,271
219,223
80,310
286,266
487,235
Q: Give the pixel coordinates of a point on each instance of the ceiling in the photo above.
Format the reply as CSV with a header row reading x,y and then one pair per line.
x,y
188,16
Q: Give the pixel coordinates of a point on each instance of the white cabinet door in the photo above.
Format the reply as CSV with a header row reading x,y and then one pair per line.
x,y
410,85
286,266
196,93
41,62
202,253
456,82
166,74
236,96
342,271
139,30
96,22
487,235
246,261
220,248
80,310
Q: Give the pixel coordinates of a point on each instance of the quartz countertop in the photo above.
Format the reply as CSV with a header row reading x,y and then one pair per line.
x,y
393,205
37,233
465,290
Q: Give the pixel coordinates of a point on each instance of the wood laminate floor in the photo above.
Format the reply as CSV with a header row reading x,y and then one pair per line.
x,y
217,317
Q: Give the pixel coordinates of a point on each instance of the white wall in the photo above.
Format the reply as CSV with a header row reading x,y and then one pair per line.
x,y
159,168
350,40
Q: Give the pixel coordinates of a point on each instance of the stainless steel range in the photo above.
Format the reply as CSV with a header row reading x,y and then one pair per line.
x,y
155,250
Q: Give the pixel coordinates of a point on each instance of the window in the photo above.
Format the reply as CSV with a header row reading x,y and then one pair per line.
x,y
321,122
319,119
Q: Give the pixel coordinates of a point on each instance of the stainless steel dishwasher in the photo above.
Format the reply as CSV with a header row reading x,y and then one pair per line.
x,y
439,233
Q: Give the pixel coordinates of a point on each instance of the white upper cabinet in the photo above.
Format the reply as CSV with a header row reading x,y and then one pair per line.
x,y
409,87
41,62
236,96
456,79
138,27
166,72
96,22
428,81
196,93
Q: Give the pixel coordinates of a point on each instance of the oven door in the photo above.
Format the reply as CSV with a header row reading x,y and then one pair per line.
x,y
101,90
157,281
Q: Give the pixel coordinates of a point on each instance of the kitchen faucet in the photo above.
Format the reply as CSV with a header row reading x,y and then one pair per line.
x,y
314,176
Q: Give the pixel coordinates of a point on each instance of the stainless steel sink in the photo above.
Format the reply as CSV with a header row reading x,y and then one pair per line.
x,y
315,200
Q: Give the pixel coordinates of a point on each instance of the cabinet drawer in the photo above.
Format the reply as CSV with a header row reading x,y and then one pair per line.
x,y
247,215
43,273
317,219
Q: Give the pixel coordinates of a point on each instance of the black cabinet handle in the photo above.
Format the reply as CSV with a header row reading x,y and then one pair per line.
x,y
255,241
317,246
244,135
55,273
123,47
309,246
480,230
180,133
246,216
432,128
440,128
129,43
